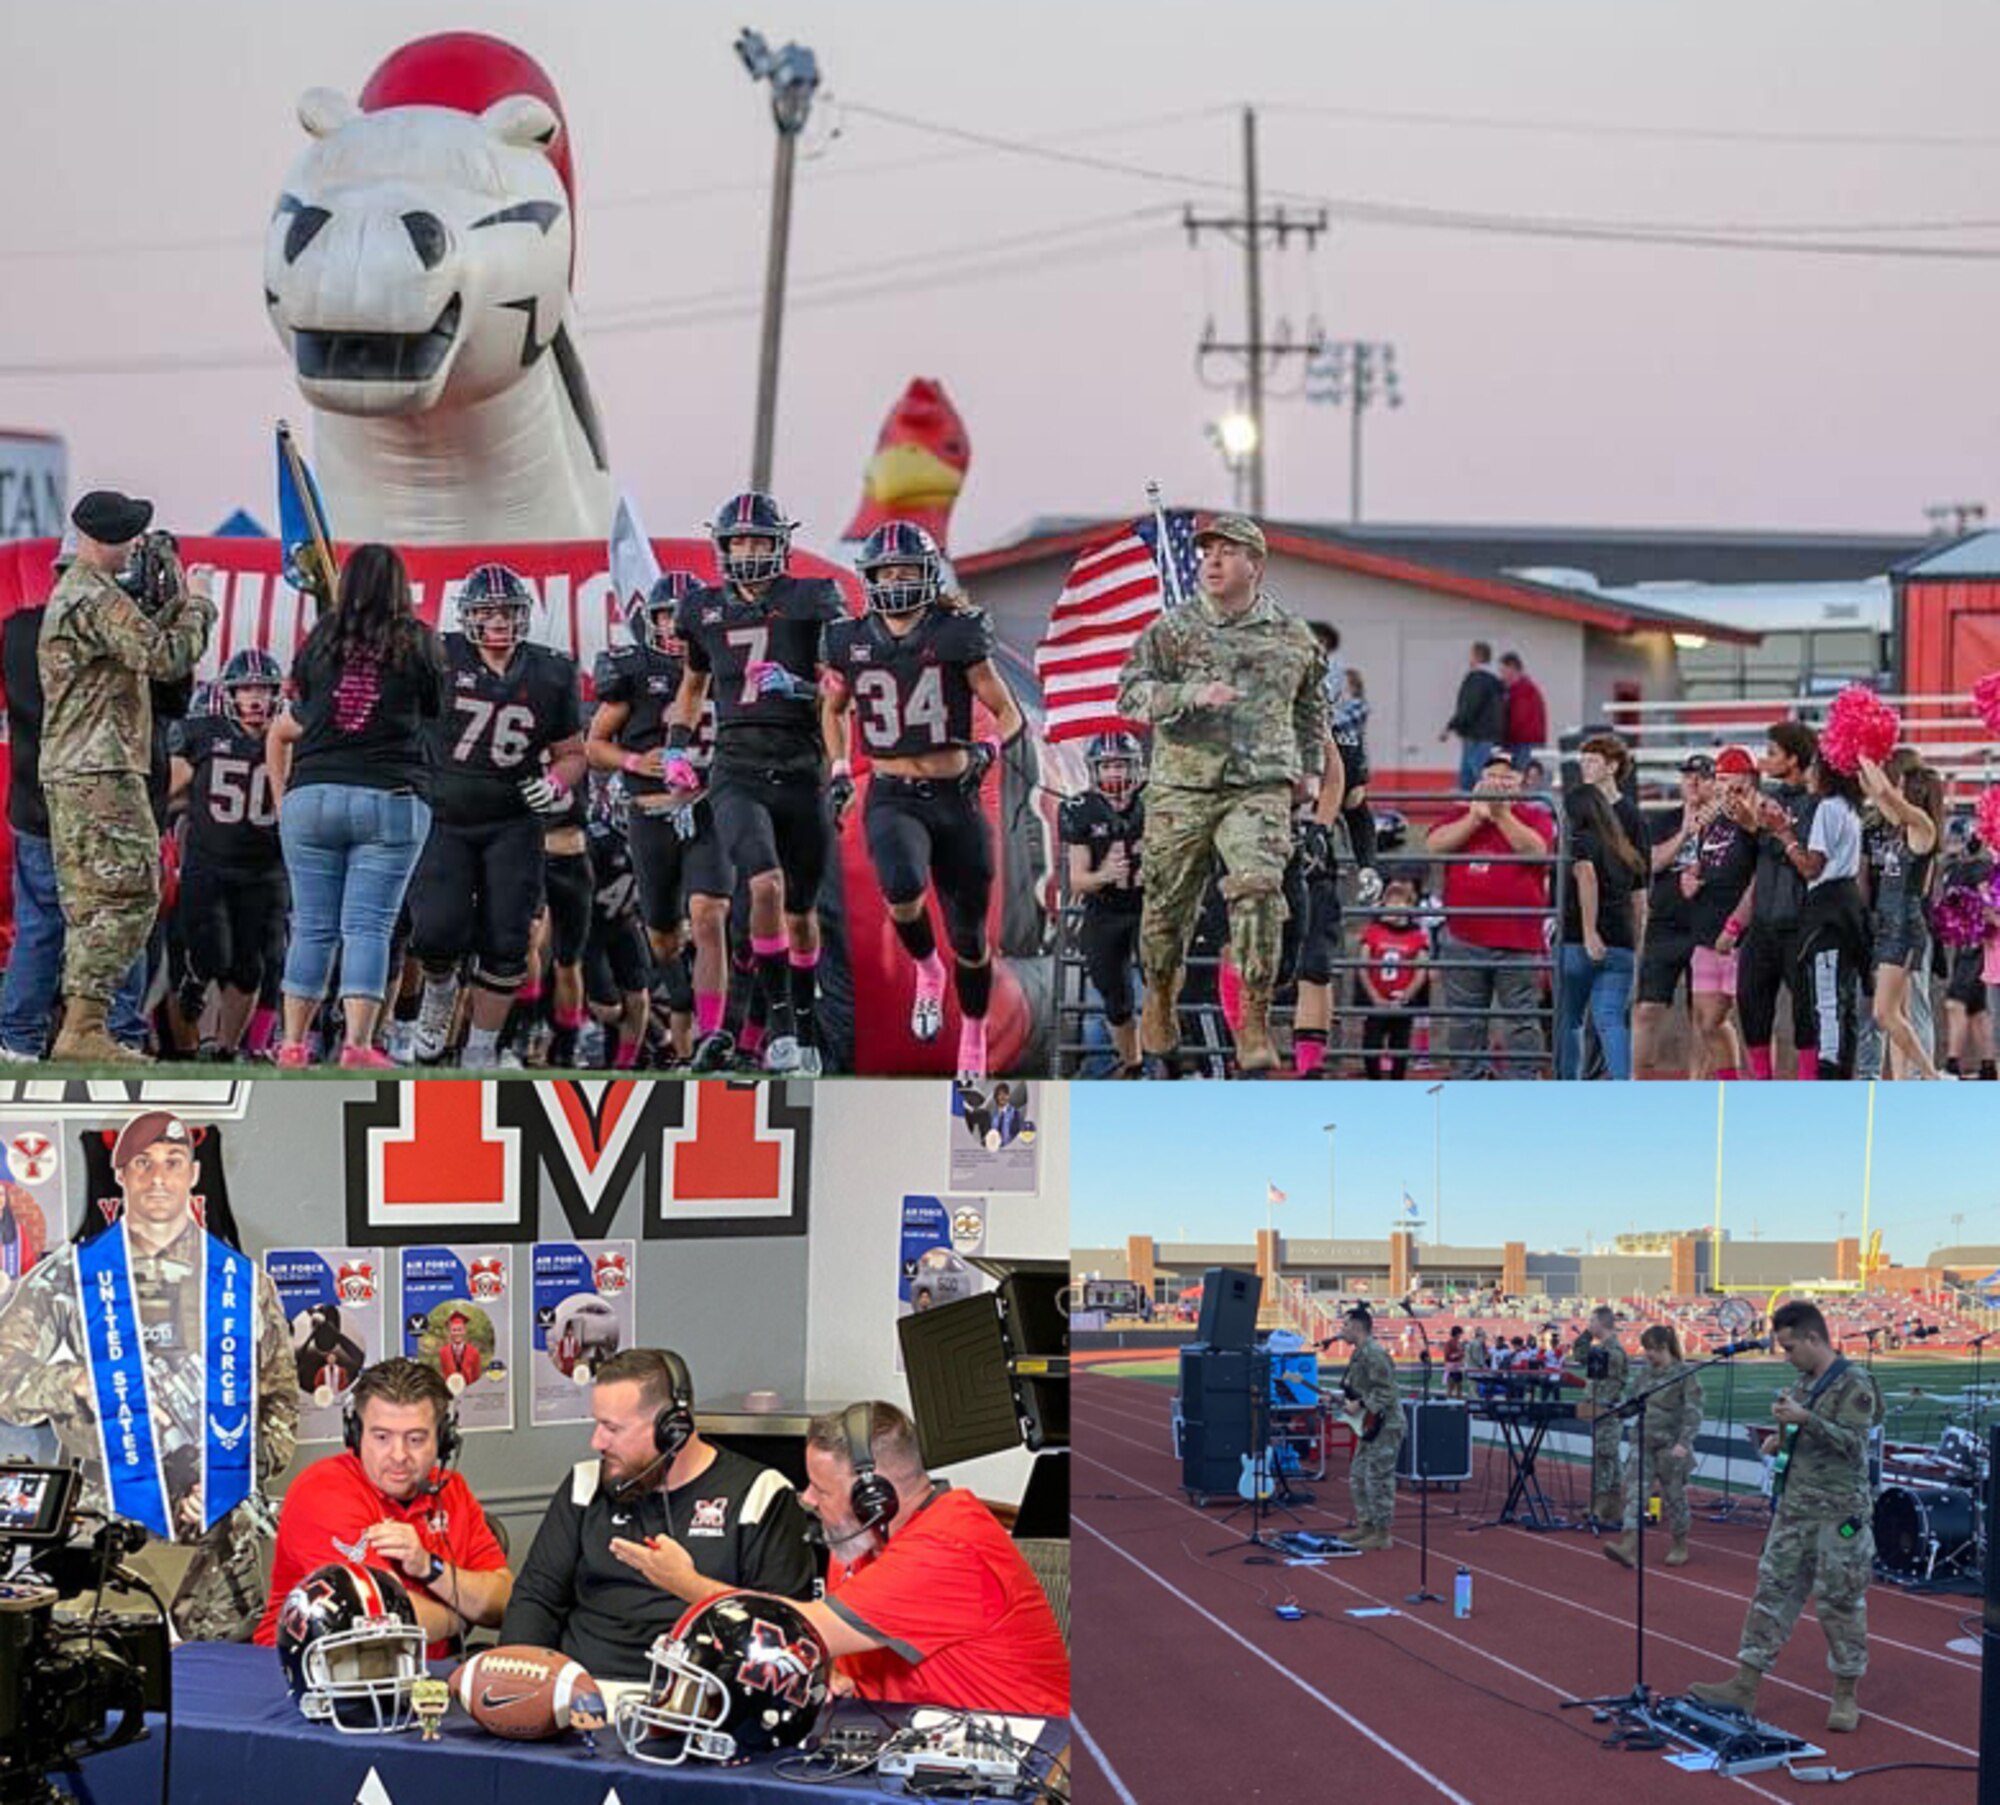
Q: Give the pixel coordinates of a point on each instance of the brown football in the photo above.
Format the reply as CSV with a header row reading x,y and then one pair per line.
x,y
526,1694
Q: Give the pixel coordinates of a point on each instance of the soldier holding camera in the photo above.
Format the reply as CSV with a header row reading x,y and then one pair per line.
x,y
122,616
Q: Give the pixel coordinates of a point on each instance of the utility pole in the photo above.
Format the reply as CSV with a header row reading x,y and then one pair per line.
x,y
1256,349
793,73
1355,373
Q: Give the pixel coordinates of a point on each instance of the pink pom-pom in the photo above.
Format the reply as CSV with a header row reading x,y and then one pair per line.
x,y
1986,698
1859,725
1986,817
1959,916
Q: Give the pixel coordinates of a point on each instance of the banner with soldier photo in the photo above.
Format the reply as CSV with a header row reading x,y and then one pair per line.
x,y
333,1299
994,1144
585,1311
457,1305
940,1236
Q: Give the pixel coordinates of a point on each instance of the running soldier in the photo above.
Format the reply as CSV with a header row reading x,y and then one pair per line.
x,y
151,1303
915,663
1103,829
234,900
1369,1384
478,886
754,640
1664,1454
674,850
1231,685
1598,1364
1821,1543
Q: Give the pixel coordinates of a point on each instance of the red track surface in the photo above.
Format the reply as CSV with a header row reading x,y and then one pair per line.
x,y
1190,1688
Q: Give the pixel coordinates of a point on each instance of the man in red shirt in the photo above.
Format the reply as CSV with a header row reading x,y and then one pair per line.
x,y
392,1501
927,1601
1527,710
1495,963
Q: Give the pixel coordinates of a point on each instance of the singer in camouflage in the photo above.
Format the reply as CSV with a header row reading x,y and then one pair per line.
x,y
99,654
1232,687
1822,1539
1663,1450
1598,1364
1370,1382
215,1575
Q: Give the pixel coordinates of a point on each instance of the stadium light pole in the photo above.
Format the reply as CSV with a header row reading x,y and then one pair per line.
x,y
1437,1162
1328,1129
1715,1237
793,73
1867,1183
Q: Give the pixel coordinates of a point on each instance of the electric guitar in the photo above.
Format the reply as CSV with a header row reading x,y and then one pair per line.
x,y
1788,1434
1254,1488
1366,1424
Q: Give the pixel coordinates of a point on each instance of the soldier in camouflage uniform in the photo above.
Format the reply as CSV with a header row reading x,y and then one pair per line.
x,y
1370,1382
1598,1353
1231,686
45,1378
1665,1454
1822,1539
99,655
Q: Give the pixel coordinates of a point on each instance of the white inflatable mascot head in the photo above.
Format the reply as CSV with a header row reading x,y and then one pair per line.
x,y
418,272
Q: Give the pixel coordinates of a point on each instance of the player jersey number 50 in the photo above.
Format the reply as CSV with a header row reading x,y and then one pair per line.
x,y
239,791
508,728
887,715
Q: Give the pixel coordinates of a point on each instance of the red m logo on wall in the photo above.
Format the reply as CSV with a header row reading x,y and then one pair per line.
x,y
659,1160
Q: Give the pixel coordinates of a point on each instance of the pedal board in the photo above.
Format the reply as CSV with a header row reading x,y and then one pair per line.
x,y
1735,1743
1303,1544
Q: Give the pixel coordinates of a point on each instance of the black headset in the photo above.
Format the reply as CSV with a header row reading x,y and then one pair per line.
x,y
871,1497
450,1439
673,1425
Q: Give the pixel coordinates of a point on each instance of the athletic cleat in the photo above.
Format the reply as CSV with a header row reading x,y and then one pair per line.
x,y
810,1063
927,1014
714,1052
781,1055
972,1048
539,1045
403,1042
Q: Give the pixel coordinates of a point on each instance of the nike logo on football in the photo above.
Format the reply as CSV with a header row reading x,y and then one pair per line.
x,y
490,1703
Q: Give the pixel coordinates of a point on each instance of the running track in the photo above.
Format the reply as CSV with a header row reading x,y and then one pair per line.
x,y
1189,1687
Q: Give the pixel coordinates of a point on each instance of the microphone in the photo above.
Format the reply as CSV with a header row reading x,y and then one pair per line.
x,y
1741,1347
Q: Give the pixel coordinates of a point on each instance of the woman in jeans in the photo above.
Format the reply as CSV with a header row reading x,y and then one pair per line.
x,y
351,763
1600,934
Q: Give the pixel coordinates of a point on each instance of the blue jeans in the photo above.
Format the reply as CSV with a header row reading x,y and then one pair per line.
x,y
1604,990
34,970
1472,757
349,852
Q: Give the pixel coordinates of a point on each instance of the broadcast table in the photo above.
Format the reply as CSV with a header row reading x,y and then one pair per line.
x,y
239,1739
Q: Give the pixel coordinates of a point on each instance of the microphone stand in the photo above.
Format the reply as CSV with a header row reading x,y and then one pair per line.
x,y
1725,1512
1635,1704
1978,1346
1420,1468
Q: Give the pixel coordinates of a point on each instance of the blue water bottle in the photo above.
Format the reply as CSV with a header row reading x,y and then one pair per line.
x,y
1461,1594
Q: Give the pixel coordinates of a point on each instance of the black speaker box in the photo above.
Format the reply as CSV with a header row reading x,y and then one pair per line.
x,y
1229,1307
1446,1428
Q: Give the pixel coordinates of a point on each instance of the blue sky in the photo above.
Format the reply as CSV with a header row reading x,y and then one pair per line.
x,y
1556,1165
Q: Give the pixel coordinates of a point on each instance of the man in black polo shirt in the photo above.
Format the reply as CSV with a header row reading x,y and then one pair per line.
x,y
1770,947
740,1523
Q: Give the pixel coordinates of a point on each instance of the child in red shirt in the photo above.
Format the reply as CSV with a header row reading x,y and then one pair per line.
x,y
1394,980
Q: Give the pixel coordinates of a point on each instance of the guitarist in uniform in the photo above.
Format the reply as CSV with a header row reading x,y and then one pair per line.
x,y
1370,1384
1598,1364
1822,1539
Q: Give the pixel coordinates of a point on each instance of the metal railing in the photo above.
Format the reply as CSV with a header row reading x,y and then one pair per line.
x,y
1205,1044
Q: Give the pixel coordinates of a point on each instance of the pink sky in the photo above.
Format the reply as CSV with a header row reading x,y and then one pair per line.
x,y
1547,383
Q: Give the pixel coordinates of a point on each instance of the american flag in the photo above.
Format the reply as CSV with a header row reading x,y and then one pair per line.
x,y
1114,590
1272,1194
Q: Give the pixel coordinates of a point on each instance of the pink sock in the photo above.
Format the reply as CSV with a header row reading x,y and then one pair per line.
x,y
1760,1062
530,992
1308,1056
707,1011
263,1024
808,961
1230,988
1808,1063
764,945
752,1037
567,1019
972,1047
1726,1073
627,1055
930,975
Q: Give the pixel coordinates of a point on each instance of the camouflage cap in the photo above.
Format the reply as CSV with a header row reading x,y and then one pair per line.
x,y
142,1131
1240,529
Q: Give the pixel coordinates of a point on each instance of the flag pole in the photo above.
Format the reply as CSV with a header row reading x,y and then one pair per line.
x,y
1163,553
302,485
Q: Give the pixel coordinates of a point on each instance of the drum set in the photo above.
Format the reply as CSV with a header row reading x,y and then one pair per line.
x,y
1930,1509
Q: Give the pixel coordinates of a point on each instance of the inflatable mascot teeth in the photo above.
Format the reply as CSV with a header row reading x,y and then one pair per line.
x,y
417,270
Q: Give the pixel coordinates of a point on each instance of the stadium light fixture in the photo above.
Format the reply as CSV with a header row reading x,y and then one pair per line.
x,y
1690,642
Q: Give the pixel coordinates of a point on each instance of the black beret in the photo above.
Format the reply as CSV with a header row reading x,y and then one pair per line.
x,y
111,518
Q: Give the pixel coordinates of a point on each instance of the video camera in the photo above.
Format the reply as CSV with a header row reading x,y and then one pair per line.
x,y
152,574
62,1681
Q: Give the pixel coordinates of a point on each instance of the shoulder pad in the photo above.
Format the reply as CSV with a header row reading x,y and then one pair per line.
x,y
968,634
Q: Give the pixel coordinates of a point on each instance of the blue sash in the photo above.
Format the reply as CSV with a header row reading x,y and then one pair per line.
x,y
120,1382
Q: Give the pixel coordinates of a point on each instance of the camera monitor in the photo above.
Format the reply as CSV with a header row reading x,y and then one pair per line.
x,y
35,1503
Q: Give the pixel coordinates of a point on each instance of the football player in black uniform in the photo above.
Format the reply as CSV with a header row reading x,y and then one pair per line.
x,y
1312,933
478,885
753,642
673,842
1103,829
910,669
570,882
617,961
234,899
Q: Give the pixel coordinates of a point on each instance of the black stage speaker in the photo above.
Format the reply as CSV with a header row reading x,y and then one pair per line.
x,y
1215,1417
1446,1428
991,1372
1229,1307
